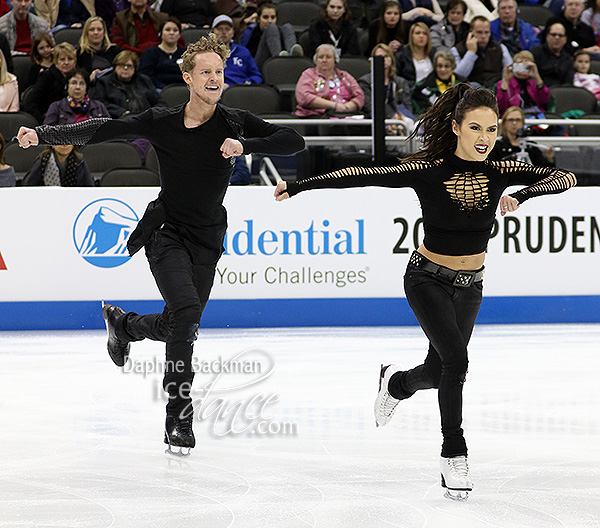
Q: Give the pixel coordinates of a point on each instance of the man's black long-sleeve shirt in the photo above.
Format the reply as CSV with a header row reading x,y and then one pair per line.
x,y
194,174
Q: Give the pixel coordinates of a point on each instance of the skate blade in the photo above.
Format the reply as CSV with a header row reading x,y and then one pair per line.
x,y
458,496
183,452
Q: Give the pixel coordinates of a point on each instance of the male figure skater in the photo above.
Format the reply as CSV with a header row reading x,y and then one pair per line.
x,y
183,230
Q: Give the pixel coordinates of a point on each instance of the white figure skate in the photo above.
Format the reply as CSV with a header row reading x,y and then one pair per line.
x,y
456,478
385,403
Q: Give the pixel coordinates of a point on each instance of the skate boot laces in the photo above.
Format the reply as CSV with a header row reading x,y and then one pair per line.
x,y
459,467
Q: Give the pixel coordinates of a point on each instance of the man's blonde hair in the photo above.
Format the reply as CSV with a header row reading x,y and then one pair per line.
x,y
208,44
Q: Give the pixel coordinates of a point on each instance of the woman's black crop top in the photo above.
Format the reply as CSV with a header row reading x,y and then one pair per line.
x,y
458,198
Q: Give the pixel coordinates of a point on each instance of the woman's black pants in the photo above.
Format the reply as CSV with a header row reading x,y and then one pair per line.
x,y
447,315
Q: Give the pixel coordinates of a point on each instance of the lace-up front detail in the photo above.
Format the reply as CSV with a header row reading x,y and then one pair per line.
x,y
459,468
469,190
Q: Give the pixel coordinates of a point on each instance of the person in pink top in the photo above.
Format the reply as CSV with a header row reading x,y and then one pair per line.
x,y
521,85
327,89
583,77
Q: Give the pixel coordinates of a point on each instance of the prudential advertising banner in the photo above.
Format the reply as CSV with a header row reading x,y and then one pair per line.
x,y
61,244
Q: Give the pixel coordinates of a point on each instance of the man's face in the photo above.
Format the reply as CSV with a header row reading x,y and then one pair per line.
x,y
21,8
507,12
556,38
138,4
573,9
205,81
481,30
224,32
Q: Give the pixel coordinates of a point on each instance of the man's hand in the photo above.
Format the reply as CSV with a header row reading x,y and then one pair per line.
x,y
231,147
27,137
471,43
280,191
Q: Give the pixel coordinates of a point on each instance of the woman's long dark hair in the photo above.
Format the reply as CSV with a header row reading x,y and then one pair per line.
x,y
438,138
399,30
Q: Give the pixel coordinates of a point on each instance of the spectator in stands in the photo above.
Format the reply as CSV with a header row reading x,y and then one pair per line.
x,y
160,63
50,85
124,91
8,177
522,86
426,11
241,173
136,28
511,31
42,47
479,58
96,52
553,62
191,13
437,82
334,26
107,9
77,105
240,67
5,48
487,9
389,28
580,36
325,89
60,165
414,61
65,13
591,16
452,28
509,145
9,88
397,91
20,26
265,39
583,77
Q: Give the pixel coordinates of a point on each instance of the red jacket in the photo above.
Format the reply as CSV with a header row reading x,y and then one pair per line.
x,y
512,96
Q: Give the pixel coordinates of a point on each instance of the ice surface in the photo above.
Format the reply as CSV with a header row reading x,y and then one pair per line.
x,y
82,445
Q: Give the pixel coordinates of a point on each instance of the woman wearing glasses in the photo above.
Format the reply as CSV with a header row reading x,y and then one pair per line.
x,y
125,91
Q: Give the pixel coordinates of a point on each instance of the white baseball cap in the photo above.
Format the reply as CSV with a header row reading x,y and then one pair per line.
x,y
220,19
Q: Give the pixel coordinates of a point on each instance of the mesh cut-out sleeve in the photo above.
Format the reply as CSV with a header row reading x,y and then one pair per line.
x,y
548,180
95,130
401,175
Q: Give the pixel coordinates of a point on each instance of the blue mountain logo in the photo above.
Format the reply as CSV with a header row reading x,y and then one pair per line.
x,y
101,230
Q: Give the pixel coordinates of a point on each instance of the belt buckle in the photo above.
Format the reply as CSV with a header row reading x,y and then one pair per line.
x,y
464,279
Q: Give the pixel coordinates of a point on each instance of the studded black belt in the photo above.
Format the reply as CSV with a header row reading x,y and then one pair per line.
x,y
461,278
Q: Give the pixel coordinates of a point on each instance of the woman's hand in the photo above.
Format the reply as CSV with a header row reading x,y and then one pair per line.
x,y
394,45
27,137
508,204
280,191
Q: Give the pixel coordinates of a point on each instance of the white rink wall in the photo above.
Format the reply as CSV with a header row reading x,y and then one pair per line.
x,y
323,257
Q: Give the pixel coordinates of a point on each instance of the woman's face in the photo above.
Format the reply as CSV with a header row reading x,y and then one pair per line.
x,y
387,60
443,69
335,9
476,134
419,37
267,17
512,122
391,16
124,71
170,33
582,64
76,87
96,34
455,16
325,61
65,64
45,50
63,150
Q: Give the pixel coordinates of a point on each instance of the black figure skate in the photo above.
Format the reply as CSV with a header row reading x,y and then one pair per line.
x,y
179,435
118,350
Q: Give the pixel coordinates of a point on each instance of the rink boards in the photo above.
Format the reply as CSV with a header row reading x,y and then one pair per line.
x,y
331,257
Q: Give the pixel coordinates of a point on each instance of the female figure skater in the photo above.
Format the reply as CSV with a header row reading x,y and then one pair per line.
x,y
459,191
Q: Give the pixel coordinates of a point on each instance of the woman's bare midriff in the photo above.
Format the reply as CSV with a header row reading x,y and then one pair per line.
x,y
462,262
